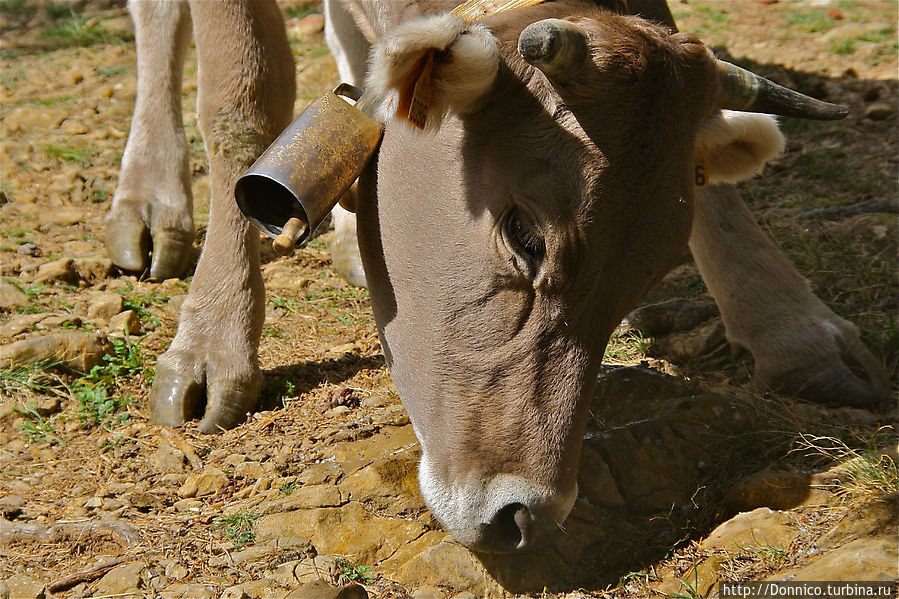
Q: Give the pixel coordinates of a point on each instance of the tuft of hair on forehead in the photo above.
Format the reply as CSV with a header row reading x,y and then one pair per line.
x,y
464,58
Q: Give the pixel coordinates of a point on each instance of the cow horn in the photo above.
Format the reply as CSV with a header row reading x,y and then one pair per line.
x,y
738,89
554,46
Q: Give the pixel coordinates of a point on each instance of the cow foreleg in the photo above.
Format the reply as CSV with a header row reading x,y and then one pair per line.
x,y
246,94
800,346
152,202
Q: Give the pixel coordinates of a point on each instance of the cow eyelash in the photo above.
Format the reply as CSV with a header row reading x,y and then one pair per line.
x,y
523,238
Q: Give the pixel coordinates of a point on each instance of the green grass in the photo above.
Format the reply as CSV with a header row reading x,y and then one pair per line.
x,y
812,21
349,572
81,156
30,379
872,472
625,347
36,428
97,408
112,71
301,10
77,30
141,302
16,233
240,528
288,304
842,47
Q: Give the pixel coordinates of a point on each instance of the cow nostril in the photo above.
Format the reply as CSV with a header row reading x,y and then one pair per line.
x,y
511,529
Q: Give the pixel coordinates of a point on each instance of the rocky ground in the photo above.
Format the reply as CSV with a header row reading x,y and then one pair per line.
x,y
689,476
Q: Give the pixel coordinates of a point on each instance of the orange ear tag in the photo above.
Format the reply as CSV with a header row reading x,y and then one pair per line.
x,y
701,168
415,97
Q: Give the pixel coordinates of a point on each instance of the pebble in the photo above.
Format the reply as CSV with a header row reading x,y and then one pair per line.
x,y
62,270
122,581
29,249
93,270
879,111
22,586
11,506
105,306
249,470
11,297
207,482
76,349
127,322
427,592
188,505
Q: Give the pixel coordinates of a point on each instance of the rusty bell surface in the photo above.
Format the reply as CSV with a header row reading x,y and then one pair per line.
x,y
312,163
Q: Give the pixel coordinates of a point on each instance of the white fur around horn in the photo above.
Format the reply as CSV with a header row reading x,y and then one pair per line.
x,y
738,144
460,79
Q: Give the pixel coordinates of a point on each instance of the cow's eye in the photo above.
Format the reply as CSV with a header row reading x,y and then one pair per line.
x,y
523,238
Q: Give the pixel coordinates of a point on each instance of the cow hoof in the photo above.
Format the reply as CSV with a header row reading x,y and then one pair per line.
x,y
180,388
133,245
844,373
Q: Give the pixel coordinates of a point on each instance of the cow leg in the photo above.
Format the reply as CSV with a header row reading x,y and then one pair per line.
x,y
350,50
800,346
152,204
246,94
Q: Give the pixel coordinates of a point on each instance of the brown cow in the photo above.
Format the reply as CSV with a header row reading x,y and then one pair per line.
x,y
503,247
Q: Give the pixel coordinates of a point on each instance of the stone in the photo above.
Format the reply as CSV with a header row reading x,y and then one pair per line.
x,y
28,117
702,341
879,111
167,458
761,527
11,506
72,127
62,270
448,564
19,324
65,217
127,322
21,586
345,530
870,558
254,589
188,505
314,23
427,592
307,496
122,581
675,315
60,321
93,270
781,490
390,484
188,591
176,571
30,249
105,306
207,482
465,595
77,350
320,589
595,482
11,297
249,470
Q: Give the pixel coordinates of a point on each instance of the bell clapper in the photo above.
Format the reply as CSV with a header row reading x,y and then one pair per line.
x,y
285,243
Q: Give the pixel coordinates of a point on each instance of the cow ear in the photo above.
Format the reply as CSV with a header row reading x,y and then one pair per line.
x,y
738,144
453,62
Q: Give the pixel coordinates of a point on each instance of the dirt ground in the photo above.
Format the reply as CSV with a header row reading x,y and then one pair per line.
x,y
85,478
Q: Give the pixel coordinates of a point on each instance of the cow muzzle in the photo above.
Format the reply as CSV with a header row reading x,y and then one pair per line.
x,y
295,183
504,513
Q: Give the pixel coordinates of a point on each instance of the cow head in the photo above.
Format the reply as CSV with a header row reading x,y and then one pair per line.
x,y
503,247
